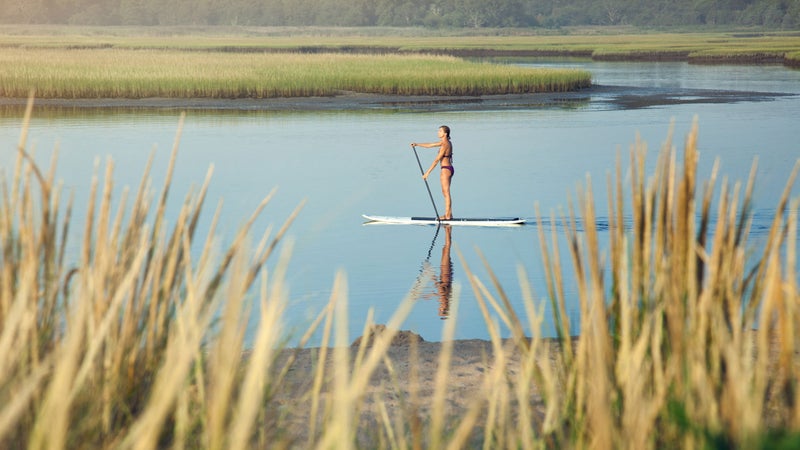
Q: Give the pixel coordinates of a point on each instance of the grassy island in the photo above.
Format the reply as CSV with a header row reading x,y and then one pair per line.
x,y
129,73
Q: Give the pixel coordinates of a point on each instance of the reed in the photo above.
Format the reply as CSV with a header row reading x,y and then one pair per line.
x,y
109,349
678,323
686,337
116,73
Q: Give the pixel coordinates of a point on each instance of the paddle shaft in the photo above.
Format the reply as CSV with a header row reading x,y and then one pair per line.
x,y
422,172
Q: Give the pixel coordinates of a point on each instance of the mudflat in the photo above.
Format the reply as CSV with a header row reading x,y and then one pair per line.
x,y
616,97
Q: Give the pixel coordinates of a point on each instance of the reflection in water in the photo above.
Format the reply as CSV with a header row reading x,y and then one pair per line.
x,y
430,285
445,283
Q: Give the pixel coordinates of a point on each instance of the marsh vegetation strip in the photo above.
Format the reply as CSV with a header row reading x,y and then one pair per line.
x,y
124,73
599,43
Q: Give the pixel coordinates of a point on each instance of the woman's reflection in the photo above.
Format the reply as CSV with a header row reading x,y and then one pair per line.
x,y
444,285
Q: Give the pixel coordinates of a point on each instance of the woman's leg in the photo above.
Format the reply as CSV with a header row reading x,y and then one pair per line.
x,y
445,178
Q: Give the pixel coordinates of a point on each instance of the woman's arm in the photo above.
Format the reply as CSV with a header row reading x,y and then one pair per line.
x,y
426,144
439,157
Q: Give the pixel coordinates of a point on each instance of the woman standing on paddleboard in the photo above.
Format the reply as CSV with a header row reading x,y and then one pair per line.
x,y
445,156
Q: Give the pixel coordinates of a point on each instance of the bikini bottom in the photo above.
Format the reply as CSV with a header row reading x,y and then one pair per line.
x,y
451,169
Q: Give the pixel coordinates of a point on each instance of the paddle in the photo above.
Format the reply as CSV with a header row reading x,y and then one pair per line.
x,y
422,171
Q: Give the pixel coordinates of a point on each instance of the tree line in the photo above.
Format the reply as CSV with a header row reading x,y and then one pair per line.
x,y
784,14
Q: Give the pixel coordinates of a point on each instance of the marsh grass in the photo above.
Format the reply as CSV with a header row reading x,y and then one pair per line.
x,y
686,337
120,73
746,46
87,62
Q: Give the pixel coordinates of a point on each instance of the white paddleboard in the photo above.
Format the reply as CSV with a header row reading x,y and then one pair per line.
x,y
477,221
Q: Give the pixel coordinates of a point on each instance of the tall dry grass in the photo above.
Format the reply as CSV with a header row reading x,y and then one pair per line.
x,y
117,349
686,339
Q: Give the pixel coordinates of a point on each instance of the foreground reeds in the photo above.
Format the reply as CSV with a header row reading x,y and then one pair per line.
x,y
686,337
125,73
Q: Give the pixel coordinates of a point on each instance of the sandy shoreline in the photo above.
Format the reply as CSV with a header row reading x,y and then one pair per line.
x,y
407,383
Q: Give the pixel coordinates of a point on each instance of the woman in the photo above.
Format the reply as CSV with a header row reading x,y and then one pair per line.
x,y
445,156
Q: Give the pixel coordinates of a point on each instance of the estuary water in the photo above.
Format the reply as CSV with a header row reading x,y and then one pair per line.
x,y
508,160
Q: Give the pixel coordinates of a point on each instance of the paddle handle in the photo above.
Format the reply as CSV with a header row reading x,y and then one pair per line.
x,y
422,172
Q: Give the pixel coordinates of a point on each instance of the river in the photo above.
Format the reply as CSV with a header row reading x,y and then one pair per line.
x,y
352,162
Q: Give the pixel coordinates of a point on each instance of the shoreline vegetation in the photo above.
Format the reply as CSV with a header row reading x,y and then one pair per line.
x,y
687,336
251,62
750,44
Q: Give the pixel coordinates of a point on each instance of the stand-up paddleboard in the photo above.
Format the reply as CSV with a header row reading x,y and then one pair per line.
x,y
479,222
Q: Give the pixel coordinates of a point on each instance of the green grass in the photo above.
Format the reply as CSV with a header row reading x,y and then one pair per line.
x,y
793,59
125,73
568,41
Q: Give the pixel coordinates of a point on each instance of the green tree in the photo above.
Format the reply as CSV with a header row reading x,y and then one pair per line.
x,y
400,13
272,13
135,12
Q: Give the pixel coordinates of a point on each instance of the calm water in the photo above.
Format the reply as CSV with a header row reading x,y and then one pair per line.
x,y
349,163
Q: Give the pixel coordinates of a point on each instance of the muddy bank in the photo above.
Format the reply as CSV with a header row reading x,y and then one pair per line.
x,y
341,102
598,96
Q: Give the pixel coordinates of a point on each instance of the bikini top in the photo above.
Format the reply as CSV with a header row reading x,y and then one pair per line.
x,y
450,155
